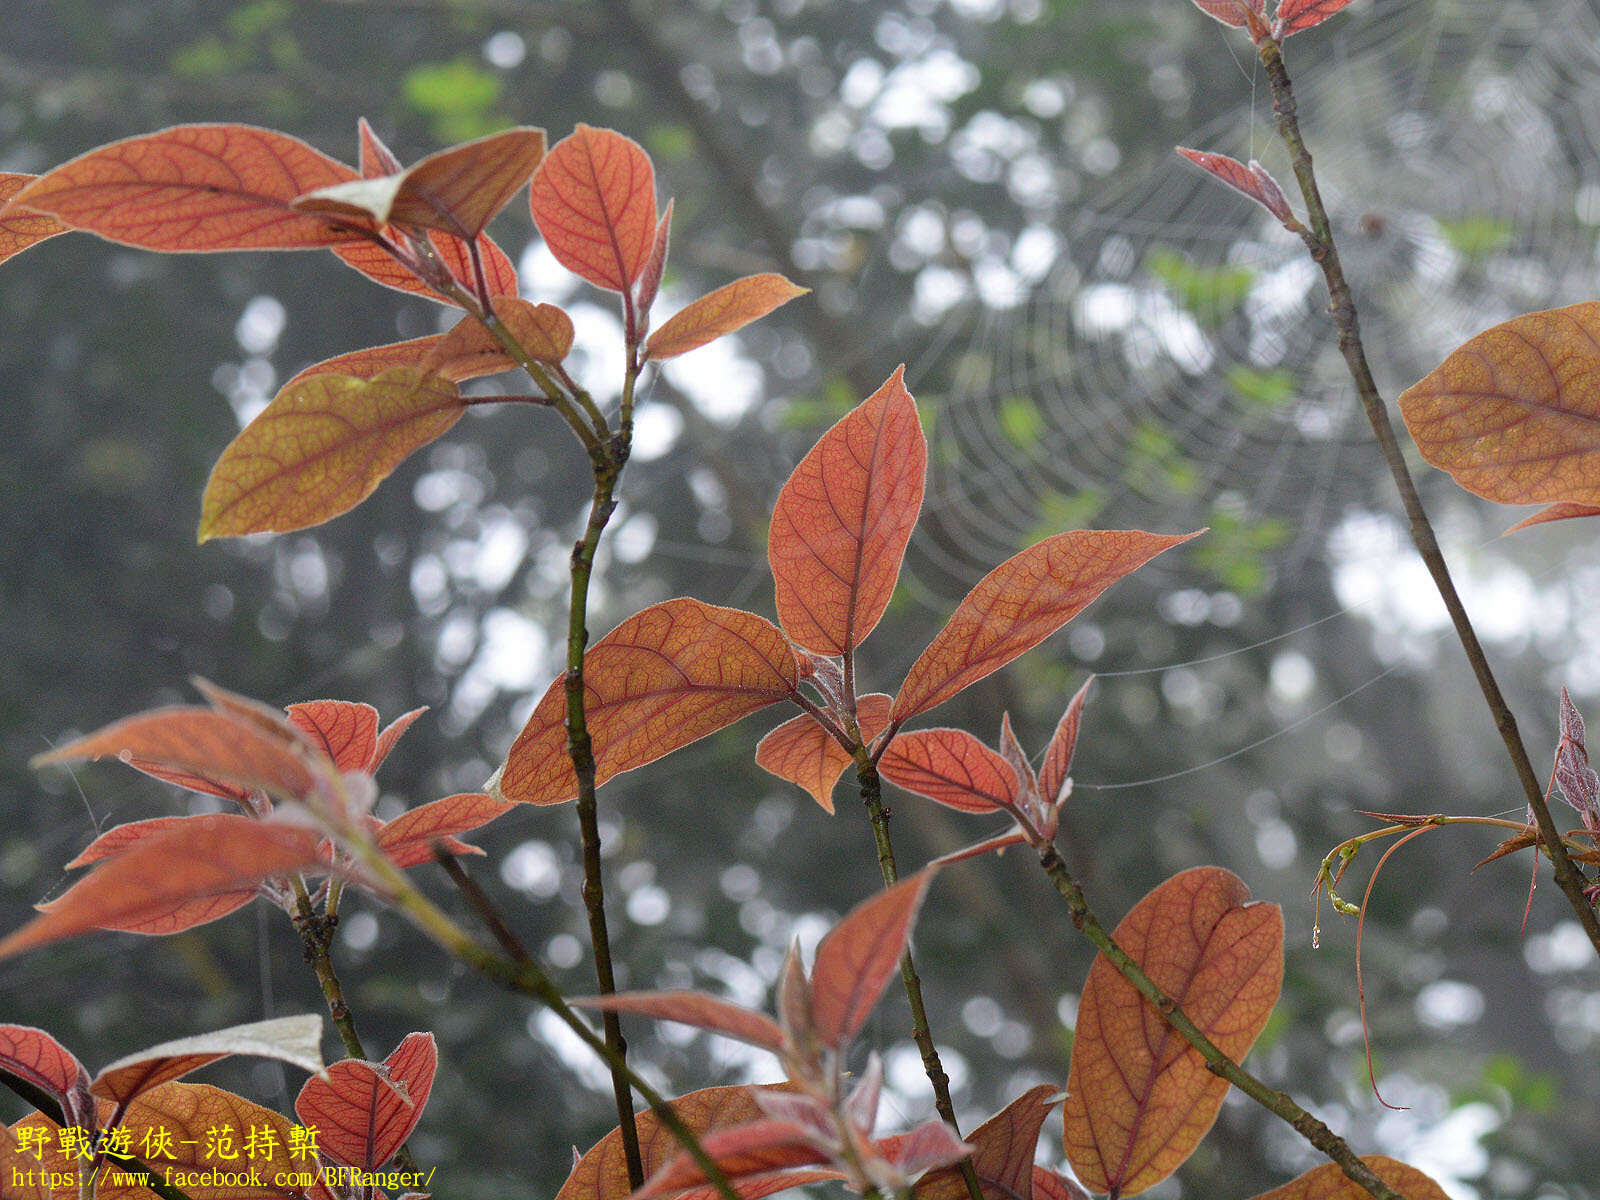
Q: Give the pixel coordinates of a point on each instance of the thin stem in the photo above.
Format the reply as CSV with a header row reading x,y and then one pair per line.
x,y
872,795
1218,1063
1319,241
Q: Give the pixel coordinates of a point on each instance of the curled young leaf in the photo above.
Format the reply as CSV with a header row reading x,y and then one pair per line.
x,y
842,521
664,678
1139,1097
717,313
1063,744
321,447
1020,603
594,200
1252,181
1564,511
294,1040
195,188
699,1009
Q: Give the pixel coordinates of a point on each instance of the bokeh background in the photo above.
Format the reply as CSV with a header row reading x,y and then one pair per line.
x,y
1096,334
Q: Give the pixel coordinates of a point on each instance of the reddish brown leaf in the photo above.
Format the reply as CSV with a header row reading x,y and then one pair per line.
x,y
23,1176
989,845
754,1150
294,1040
20,229
195,187
842,521
543,330
376,158
1139,1097
1063,743
1003,1148
952,767
1047,1185
191,781
1020,603
665,677
594,200
1253,180
693,1008
931,1146
602,1173
1329,1182
804,753
200,741
1556,512
345,731
1295,15
1514,414
408,839
379,266
180,916
730,307
207,856
365,1111
1229,12
858,955
392,733
321,447
649,283
34,1056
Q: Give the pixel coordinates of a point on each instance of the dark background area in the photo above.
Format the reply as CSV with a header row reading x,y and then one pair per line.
x,y
1096,335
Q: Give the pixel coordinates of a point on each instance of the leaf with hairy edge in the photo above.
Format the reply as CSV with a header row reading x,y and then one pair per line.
x,y
20,229
1229,12
321,447
665,677
456,190
649,281
379,266
190,780
602,1173
1063,744
207,856
200,741
195,188
693,1008
842,521
1139,1097
594,200
35,1057
752,1151
730,307
1295,15
1514,414
1556,512
392,733
345,731
858,955
191,1111
294,1040
952,767
1020,603
184,914
931,1146
1329,1182
375,157
543,330
408,839
365,1111
1002,1154
1253,180
804,753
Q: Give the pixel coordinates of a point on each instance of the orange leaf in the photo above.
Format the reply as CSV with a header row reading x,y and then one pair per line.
x,y
208,856
665,677
1295,15
343,730
194,1114
200,741
1329,1182
952,767
1229,12
181,915
379,266
392,733
409,838
649,282
1063,743
20,229
858,955
804,753
195,187
34,1056
469,349
1514,414
594,200
1002,1155
1139,1097
730,307
457,190
693,1008
1020,603
364,1111
602,1173
321,447
753,1151
842,521
375,157
20,1173
1556,512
